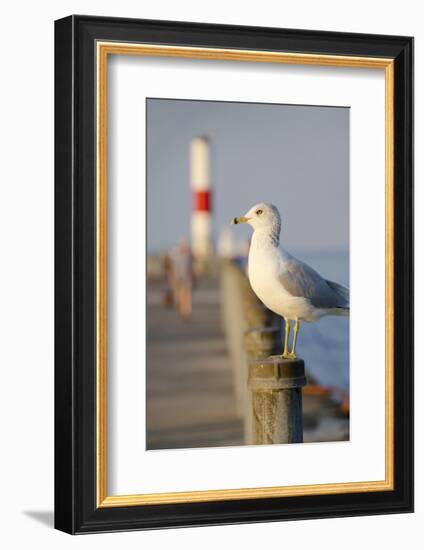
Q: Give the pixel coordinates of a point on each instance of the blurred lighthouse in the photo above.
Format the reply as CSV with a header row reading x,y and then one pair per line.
x,y
201,220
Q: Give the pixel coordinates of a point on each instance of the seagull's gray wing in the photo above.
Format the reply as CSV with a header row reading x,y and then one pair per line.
x,y
302,281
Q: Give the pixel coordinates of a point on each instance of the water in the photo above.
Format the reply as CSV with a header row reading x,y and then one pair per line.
x,y
324,344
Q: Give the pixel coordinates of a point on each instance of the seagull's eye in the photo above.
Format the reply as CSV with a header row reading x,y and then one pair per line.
x,y
259,212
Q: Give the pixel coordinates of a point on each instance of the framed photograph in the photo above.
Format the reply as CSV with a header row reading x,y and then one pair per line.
x,y
234,274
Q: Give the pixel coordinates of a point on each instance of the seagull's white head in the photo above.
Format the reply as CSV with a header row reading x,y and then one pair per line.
x,y
262,217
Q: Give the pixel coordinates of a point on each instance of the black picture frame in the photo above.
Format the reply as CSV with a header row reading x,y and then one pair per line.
x,y
76,510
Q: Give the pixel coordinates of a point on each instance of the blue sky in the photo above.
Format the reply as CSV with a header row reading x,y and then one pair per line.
x,y
296,157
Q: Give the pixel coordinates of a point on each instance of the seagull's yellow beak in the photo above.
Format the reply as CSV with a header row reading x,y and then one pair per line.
x,y
240,219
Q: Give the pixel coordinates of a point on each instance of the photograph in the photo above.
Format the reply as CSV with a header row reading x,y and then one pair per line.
x,y
233,272
212,258
247,272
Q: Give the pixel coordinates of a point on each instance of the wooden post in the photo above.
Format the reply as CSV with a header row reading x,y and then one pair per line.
x,y
259,343
257,315
234,325
241,310
276,385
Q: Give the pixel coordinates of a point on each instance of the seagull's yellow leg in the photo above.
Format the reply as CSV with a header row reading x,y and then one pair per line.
x,y
292,354
286,339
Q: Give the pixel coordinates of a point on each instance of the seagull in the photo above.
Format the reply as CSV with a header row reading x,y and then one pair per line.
x,y
287,286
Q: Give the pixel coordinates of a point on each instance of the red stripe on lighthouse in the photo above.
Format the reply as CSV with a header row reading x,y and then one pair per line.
x,y
202,201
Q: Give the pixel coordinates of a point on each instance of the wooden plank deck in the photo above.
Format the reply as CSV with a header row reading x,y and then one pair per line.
x,y
190,396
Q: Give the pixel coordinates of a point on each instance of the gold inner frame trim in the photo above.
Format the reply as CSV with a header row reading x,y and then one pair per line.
x,y
104,49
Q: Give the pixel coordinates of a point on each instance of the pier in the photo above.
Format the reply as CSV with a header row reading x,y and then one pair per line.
x,y
197,376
